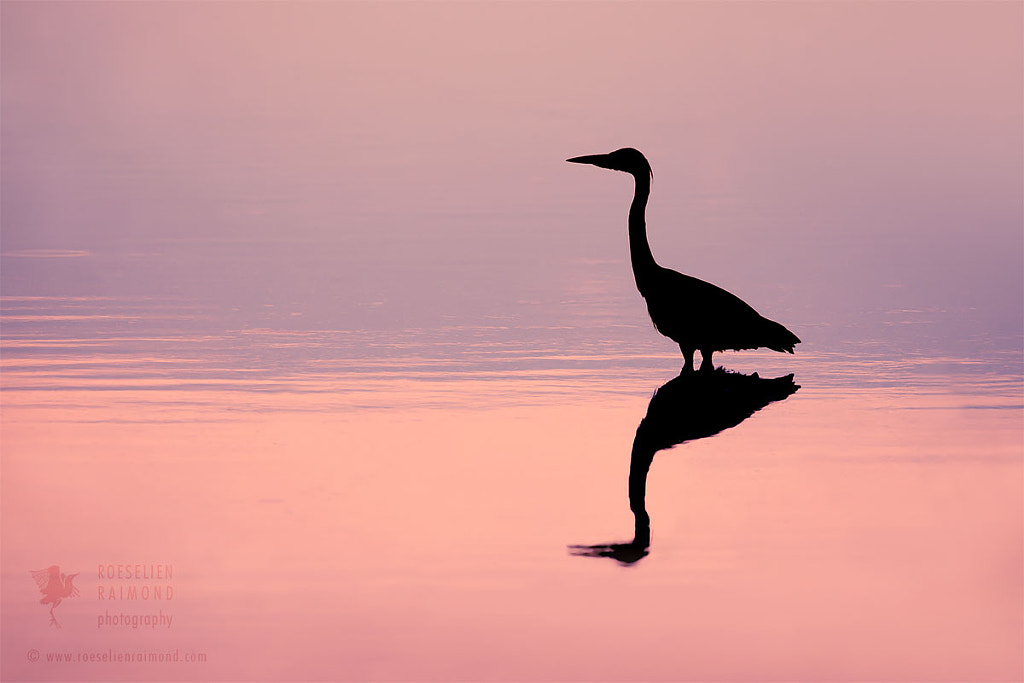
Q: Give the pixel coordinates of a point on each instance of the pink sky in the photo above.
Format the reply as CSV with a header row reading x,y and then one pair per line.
x,y
853,153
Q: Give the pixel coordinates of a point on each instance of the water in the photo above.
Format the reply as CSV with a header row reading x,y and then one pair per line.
x,y
311,327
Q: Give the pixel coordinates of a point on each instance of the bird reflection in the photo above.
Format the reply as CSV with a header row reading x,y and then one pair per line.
x,y
694,405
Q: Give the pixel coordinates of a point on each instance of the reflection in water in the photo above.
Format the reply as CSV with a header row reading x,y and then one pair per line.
x,y
694,405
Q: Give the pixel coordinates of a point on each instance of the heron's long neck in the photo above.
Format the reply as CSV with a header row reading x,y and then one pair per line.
x,y
639,249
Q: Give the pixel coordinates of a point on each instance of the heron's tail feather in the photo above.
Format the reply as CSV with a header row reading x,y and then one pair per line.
x,y
778,338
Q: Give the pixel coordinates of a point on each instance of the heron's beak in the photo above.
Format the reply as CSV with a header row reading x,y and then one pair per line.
x,y
600,160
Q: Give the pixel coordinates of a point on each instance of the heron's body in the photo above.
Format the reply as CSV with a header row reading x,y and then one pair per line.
x,y
695,314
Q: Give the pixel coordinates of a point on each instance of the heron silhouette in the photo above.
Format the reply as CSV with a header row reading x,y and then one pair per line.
x,y
697,315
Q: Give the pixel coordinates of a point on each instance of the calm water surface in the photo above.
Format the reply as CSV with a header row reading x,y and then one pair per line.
x,y
404,511
318,361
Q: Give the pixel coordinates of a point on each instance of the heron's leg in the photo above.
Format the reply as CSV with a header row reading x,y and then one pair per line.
x,y
705,360
687,358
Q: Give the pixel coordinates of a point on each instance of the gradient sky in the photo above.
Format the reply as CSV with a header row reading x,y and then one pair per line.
x,y
847,157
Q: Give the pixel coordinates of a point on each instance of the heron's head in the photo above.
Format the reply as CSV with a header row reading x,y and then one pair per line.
x,y
627,159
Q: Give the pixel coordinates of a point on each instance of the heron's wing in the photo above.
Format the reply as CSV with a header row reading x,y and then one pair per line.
x,y
686,308
42,578
713,296
701,303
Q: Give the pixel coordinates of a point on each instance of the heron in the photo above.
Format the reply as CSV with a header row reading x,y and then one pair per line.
x,y
696,315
